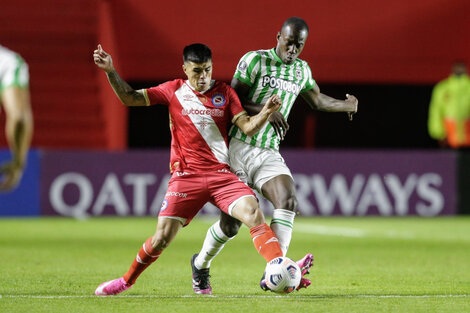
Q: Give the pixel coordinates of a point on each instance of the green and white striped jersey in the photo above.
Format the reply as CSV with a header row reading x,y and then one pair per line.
x,y
267,75
13,70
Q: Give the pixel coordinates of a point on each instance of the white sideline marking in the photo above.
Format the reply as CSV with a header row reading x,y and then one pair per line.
x,y
328,230
235,296
349,232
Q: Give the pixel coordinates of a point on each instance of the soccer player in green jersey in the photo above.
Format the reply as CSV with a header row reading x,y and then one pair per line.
x,y
15,101
256,159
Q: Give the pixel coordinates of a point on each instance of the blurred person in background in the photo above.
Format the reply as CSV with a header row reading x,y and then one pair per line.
x,y
449,110
15,101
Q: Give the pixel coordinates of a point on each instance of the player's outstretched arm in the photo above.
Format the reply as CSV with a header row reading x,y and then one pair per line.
x,y
321,102
125,93
250,125
19,131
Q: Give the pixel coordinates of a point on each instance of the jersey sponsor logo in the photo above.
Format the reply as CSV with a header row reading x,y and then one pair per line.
x,y
164,205
176,194
218,100
281,84
211,112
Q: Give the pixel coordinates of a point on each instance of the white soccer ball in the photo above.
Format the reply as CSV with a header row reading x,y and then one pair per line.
x,y
282,275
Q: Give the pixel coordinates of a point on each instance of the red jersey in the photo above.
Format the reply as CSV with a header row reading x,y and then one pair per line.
x,y
199,123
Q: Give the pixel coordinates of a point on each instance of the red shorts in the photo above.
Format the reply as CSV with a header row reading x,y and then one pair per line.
x,y
187,193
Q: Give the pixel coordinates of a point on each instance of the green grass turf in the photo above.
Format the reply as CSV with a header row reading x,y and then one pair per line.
x,y
361,265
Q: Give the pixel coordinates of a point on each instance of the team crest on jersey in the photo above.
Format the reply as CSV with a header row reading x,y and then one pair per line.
x,y
242,65
218,100
298,73
164,205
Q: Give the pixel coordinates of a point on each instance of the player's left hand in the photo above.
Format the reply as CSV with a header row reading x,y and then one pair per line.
x,y
279,123
352,105
10,175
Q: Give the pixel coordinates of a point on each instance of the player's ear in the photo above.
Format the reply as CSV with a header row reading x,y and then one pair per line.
x,y
184,68
278,36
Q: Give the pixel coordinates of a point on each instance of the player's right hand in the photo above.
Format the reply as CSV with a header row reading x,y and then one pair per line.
x,y
103,59
279,123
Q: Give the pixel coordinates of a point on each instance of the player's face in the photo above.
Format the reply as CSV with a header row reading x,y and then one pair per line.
x,y
290,43
199,74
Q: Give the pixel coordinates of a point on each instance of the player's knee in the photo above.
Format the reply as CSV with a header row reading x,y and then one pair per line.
x,y
231,228
255,216
248,212
289,204
252,216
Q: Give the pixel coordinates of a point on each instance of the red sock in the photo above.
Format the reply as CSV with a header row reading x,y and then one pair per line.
x,y
266,242
146,256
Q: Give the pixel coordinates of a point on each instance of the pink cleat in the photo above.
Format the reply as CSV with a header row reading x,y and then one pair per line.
x,y
304,283
112,287
305,264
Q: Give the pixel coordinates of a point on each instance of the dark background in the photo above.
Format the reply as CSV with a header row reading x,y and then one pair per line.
x,y
389,116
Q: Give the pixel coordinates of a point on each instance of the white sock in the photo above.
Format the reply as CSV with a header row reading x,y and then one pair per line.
x,y
282,224
213,244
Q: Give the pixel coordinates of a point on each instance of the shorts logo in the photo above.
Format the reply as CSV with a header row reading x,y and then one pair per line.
x,y
218,100
242,65
176,194
298,74
164,205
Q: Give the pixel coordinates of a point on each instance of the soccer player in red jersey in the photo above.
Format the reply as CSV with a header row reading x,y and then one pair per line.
x,y
200,110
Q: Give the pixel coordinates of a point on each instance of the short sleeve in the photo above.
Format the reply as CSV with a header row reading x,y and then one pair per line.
x,y
160,94
247,68
310,82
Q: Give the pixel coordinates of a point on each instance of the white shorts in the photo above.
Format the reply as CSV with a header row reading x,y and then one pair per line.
x,y
254,165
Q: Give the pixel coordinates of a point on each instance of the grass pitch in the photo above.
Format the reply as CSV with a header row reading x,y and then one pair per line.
x,y
361,265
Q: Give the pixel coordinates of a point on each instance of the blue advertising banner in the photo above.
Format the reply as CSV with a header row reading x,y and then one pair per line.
x,y
24,200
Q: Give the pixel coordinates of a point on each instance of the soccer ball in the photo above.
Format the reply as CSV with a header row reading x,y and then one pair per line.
x,y
282,275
